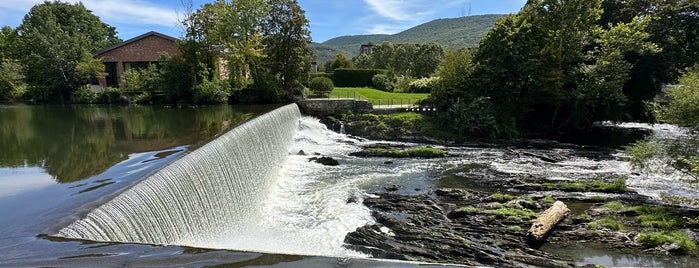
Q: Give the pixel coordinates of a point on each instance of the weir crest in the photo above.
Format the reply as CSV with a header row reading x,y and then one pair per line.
x,y
209,193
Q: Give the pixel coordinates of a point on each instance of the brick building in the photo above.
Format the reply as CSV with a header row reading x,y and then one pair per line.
x,y
136,52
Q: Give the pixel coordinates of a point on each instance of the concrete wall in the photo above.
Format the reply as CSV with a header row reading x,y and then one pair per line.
x,y
324,107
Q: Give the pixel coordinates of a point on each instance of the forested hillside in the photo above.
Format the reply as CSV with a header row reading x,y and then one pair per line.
x,y
455,33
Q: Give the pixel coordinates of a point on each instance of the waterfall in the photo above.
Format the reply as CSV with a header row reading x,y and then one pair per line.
x,y
210,193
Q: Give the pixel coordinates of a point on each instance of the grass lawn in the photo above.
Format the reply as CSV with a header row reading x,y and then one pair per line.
x,y
378,97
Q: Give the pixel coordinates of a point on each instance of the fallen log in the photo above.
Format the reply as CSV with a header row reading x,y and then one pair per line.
x,y
547,220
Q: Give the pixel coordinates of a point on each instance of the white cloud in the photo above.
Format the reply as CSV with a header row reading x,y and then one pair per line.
x,y
392,9
130,12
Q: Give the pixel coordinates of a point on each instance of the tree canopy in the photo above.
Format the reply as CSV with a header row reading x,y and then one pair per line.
x,y
56,44
552,67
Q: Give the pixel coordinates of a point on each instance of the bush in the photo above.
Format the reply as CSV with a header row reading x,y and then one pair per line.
x,y
321,84
423,85
212,92
479,118
111,95
683,109
147,79
383,82
402,83
84,96
355,77
320,74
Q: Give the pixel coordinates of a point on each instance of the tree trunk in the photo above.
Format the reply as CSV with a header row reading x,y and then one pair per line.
x,y
547,220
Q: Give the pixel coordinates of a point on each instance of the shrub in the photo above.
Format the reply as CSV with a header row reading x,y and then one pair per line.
x,y
402,83
355,77
321,84
479,118
111,95
320,74
422,85
84,96
142,79
212,92
12,83
383,82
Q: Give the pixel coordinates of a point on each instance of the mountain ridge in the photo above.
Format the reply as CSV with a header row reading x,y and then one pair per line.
x,y
453,33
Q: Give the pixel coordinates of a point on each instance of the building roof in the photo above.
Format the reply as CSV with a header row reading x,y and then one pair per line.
x,y
173,39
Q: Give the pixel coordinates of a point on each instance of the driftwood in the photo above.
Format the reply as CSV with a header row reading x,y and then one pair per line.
x,y
547,220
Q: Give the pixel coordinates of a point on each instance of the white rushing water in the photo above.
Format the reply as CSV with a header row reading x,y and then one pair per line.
x,y
246,190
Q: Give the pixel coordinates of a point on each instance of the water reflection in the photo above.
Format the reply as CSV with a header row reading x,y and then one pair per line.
x,y
76,142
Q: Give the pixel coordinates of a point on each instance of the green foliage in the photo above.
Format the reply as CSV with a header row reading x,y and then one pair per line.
x,y
683,109
321,74
643,150
57,40
321,84
656,216
549,68
478,117
112,96
340,62
410,59
656,239
383,82
422,85
391,126
85,96
212,92
609,223
615,206
176,78
147,80
12,84
286,38
355,77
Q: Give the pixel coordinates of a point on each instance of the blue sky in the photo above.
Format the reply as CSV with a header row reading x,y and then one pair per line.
x,y
329,18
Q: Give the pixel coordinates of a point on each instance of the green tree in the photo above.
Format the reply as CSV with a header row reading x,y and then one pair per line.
x,y
674,27
551,67
683,109
237,28
340,62
56,38
286,40
9,43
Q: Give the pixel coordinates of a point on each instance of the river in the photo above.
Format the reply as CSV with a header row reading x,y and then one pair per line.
x,y
58,163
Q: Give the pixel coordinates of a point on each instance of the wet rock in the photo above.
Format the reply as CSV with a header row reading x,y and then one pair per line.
x,y
388,163
452,193
416,228
324,160
301,152
392,188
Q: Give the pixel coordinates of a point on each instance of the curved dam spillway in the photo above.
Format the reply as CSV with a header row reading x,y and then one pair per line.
x,y
210,193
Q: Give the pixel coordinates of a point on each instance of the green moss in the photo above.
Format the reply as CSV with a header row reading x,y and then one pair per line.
x,y
512,213
597,199
549,199
615,206
656,216
609,223
498,197
515,228
585,217
573,186
655,239
469,209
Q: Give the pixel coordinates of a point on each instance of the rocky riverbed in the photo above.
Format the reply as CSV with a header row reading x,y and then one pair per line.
x,y
475,202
